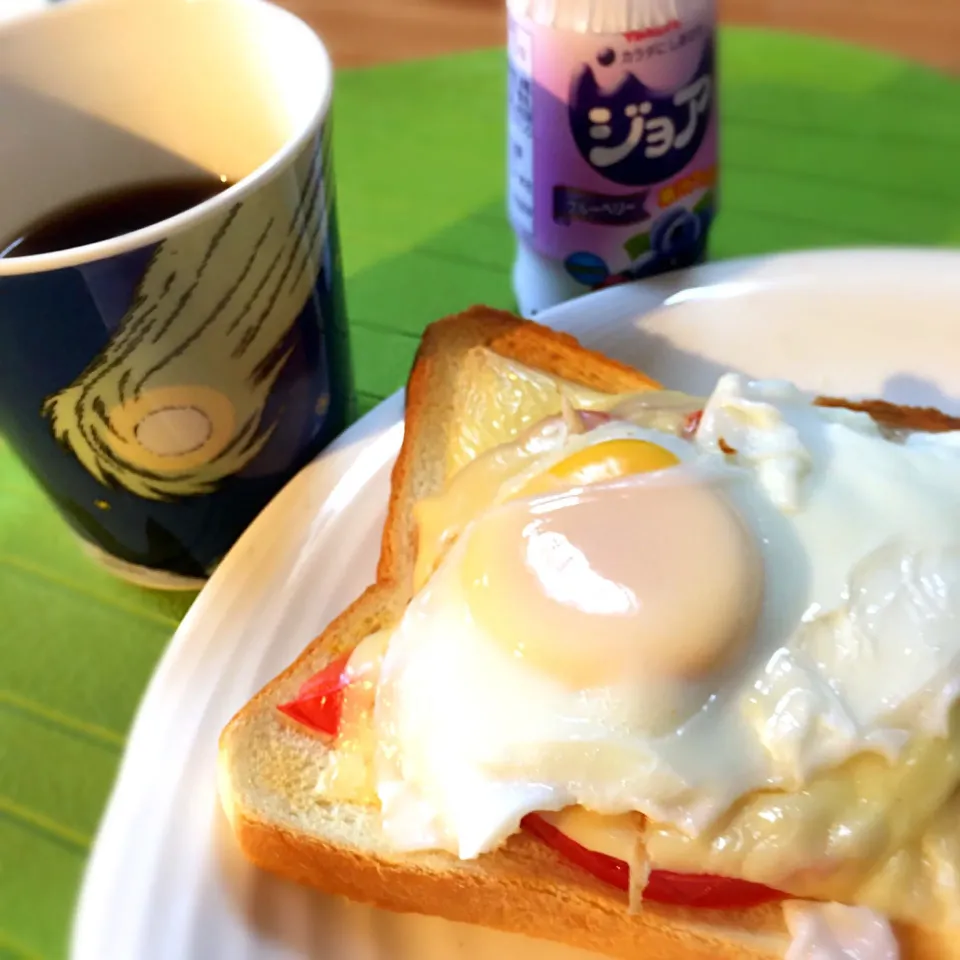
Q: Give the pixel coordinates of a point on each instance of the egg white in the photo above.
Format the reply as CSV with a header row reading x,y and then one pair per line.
x,y
855,648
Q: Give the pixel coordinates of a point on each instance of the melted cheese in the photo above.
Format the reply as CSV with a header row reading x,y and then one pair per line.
x,y
495,400
441,519
614,836
348,774
869,832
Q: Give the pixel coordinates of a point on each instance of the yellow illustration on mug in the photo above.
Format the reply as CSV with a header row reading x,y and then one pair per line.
x,y
175,401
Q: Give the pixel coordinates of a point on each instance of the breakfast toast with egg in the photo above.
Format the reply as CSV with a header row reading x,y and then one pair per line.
x,y
269,767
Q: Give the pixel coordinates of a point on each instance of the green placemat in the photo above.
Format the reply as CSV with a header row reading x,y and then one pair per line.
x,y
823,144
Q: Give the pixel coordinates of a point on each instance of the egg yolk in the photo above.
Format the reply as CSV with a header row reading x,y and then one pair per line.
x,y
602,461
658,580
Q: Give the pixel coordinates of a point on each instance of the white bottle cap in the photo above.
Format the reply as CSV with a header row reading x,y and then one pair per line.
x,y
608,16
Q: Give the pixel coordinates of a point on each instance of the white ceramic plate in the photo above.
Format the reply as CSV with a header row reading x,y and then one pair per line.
x,y
164,880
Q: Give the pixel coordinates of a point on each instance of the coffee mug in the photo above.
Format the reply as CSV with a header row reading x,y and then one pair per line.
x,y
162,385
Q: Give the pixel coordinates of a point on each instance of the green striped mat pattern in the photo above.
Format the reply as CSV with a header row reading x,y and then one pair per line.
x,y
822,145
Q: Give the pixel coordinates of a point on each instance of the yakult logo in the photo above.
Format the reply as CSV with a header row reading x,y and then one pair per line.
x,y
637,135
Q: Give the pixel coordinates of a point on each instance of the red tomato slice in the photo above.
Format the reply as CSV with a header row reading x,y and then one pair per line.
x,y
319,703
707,891
663,886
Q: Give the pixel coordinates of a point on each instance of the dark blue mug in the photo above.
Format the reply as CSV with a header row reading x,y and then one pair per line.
x,y
164,384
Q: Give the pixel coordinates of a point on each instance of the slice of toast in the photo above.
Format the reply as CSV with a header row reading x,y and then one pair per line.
x,y
269,767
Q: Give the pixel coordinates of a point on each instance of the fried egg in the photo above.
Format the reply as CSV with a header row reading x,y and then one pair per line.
x,y
549,454
639,622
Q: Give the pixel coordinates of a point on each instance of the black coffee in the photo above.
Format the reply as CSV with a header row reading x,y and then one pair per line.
x,y
111,214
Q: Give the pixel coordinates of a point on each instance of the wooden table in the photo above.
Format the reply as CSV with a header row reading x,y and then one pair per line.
x,y
361,32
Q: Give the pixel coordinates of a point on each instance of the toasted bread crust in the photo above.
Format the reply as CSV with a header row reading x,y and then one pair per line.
x,y
523,892
268,766
897,417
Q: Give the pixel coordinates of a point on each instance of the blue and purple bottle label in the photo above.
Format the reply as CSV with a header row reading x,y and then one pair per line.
x,y
613,146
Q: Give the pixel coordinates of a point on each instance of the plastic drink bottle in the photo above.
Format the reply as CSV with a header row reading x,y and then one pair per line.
x,y
612,165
